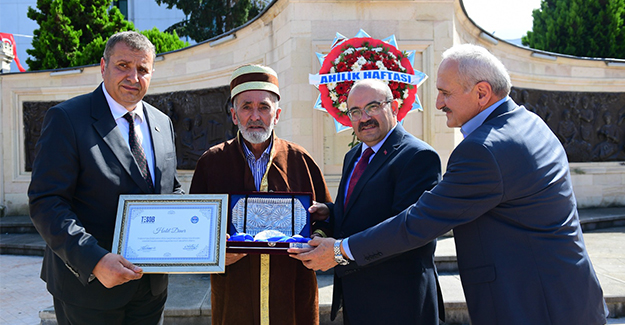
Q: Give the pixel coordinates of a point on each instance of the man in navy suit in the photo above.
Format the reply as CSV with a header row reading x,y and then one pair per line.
x,y
83,163
400,168
507,194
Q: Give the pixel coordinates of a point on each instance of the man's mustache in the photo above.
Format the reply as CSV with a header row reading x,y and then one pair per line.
x,y
256,123
368,123
446,109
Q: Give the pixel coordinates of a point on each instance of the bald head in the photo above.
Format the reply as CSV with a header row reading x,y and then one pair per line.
x,y
372,85
373,111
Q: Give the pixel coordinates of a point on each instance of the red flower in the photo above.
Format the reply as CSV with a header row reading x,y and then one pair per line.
x,y
343,87
351,58
369,66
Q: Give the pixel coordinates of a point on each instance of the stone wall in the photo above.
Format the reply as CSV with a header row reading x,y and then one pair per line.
x,y
286,36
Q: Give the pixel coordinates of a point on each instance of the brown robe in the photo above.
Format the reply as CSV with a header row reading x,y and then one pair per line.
x,y
235,295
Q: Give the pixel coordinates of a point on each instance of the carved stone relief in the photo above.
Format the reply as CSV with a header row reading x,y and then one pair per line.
x,y
590,125
33,119
201,119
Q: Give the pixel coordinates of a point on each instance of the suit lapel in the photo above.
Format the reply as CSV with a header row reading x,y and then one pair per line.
x,y
380,158
348,165
157,144
107,128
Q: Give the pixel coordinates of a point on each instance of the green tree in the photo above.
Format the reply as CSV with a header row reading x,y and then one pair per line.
x,y
74,32
209,18
163,42
589,28
67,26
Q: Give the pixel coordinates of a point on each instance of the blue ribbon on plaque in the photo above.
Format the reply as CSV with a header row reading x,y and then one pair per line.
x,y
268,222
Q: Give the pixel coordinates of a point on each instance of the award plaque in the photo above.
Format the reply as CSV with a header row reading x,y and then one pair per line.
x,y
268,222
172,233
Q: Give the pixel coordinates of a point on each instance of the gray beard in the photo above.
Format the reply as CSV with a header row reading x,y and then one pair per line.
x,y
256,137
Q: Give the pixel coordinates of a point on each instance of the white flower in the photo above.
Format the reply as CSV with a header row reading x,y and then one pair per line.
x,y
343,107
380,65
361,60
392,56
331,85
399,102
333,96
356,66
377,49
349,51
332,70
405,94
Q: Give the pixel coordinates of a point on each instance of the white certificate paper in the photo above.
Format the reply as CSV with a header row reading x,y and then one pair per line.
x,y
173,233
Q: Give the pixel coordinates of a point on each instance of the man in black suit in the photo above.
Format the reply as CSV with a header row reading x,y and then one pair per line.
x,y
401,289
93,148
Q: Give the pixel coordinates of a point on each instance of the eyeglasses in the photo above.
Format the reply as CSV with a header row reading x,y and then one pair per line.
x,y
372,109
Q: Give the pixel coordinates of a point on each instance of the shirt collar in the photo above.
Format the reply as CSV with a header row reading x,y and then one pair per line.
x,y
478,119
250,155
118,110
378,145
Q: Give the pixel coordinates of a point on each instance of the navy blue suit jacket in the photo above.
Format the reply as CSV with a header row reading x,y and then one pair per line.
x,y
507,194
401,289
82,165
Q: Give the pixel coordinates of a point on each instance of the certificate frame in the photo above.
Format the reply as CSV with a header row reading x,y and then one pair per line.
x,y
172,233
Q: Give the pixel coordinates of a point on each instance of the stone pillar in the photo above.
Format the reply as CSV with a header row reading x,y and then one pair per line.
x,y
6,57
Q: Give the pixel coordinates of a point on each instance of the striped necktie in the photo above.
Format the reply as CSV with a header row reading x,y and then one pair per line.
x,y
137,151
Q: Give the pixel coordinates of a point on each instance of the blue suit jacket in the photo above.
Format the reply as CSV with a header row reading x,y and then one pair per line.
x,y
401,289
508,195
81,167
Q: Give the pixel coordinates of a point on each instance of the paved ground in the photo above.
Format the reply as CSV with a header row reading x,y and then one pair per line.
x,y
23,294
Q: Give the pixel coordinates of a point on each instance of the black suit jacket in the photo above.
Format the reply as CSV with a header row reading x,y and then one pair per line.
x,y
401,289
82,165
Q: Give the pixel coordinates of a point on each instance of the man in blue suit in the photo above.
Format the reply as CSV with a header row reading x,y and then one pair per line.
x,y
400,168
507,194
93,148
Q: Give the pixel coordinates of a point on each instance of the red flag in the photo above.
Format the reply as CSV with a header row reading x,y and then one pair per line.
x,y
5,37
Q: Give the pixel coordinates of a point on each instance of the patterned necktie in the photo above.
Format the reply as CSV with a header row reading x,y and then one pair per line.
x,y
358,170
137,151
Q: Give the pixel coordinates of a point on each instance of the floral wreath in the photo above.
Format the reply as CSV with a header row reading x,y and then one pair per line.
x,y
347,62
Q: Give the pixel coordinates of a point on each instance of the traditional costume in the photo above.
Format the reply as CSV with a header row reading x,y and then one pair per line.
x,y
235,295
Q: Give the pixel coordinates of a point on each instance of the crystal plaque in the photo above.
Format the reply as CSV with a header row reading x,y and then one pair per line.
x,y
270,222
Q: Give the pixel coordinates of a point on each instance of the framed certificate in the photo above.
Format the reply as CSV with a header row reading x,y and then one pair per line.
x,y
173,233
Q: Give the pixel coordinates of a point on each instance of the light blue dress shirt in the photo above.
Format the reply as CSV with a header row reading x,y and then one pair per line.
x,y
258,166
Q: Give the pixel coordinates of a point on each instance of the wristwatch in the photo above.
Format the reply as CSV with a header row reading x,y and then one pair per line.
x,y
338,256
